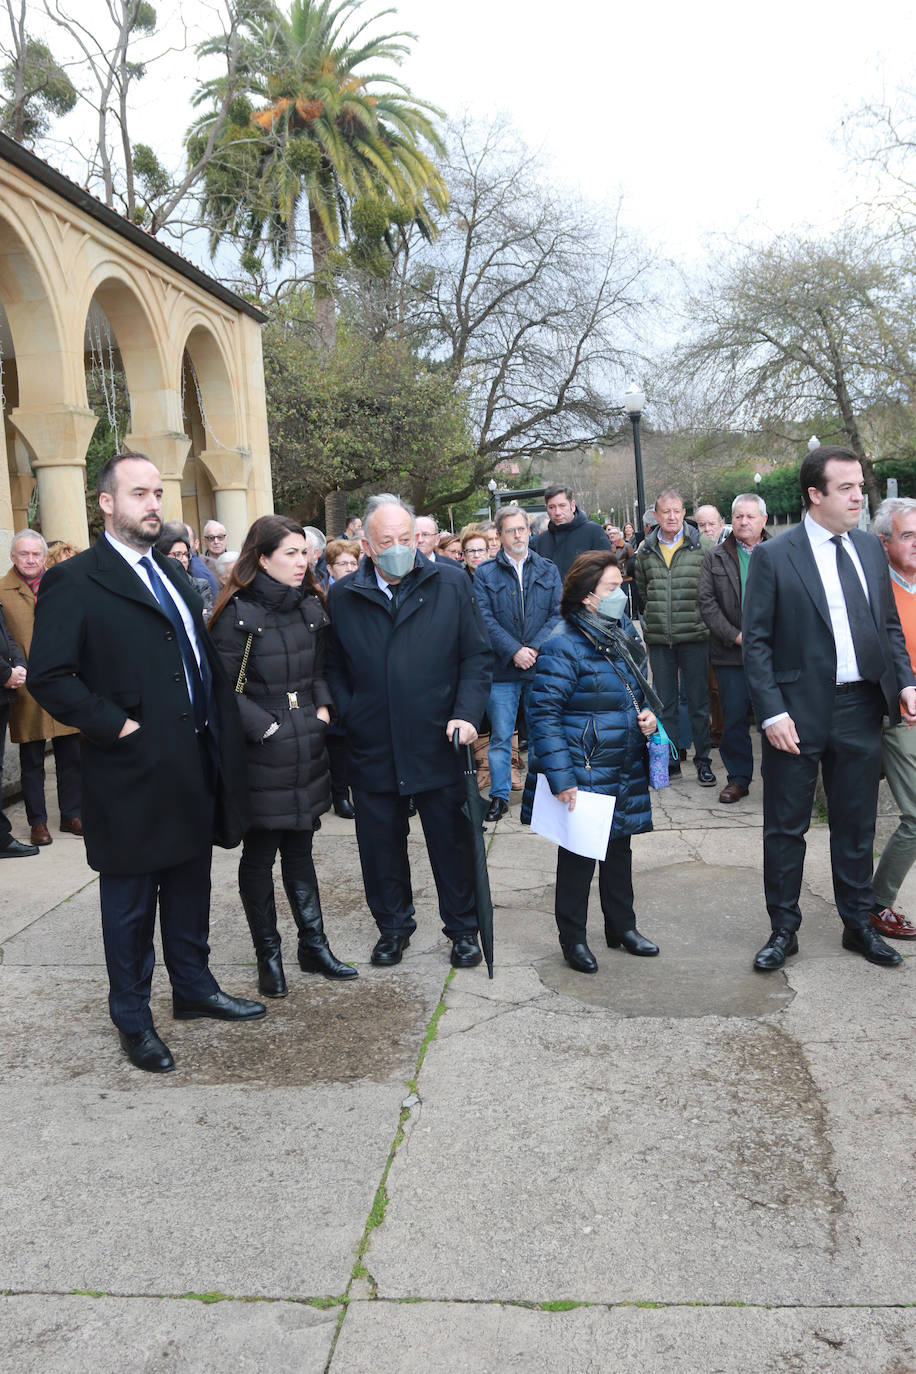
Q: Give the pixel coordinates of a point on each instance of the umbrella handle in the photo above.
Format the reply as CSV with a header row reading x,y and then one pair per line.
x,y
457,746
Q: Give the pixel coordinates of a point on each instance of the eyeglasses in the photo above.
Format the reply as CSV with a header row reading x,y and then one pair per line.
x,y
181,557
215,538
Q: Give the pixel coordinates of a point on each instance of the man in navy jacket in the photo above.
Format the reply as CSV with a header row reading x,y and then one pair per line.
x,y
518,593
409,666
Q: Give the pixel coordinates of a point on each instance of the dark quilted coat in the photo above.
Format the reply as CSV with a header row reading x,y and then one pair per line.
x,y
288,773
668,595
583,731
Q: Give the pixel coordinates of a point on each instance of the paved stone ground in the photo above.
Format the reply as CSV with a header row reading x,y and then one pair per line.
x,y
674,1165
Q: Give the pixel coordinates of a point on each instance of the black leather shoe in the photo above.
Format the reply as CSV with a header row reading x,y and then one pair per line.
x,y
580,958
705,776
388,950
632,942
497,809
145,1050
15,849
776,951
220,1006
465,952
345,810
867,942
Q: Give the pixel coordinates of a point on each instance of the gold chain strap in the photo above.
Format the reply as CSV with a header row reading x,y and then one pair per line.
x,y
242,678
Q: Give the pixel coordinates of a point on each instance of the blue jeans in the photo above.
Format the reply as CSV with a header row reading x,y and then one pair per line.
x,y
735,745
502,709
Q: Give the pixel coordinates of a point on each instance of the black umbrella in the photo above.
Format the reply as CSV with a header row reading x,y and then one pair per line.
x,y
474,806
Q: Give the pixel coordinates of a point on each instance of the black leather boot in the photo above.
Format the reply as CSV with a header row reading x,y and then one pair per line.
x,y
314,951
262,922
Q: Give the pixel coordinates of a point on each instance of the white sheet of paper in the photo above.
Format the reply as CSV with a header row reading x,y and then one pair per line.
x,y
585,830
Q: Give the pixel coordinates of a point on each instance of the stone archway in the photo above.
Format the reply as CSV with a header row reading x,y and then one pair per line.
x,y
60,250
47,425
223,465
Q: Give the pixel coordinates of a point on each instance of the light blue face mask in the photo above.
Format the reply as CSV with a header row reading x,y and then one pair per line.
x,y
613,605
396,561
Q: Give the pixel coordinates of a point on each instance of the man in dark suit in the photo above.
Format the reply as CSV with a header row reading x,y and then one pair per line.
x,y
825,660
120,652
409,666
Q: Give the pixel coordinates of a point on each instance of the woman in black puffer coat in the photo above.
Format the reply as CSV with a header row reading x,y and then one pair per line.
x,y
269,625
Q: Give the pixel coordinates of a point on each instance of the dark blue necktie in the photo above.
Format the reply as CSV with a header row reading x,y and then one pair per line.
x,y
197,674
865,639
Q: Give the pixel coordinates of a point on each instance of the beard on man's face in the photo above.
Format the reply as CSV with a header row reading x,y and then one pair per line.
x,y
145,531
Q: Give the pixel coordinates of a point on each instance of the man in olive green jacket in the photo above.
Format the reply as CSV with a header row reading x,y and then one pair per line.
x,y
667,575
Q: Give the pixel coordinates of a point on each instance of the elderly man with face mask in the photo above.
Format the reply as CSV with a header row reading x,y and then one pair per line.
x,y
409,666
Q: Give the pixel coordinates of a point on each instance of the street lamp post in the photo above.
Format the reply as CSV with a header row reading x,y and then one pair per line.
x,y
635,402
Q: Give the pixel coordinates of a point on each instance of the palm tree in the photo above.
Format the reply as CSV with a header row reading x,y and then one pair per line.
x,y
317,127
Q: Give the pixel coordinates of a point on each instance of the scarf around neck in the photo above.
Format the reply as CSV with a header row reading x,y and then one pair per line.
x,y
611,639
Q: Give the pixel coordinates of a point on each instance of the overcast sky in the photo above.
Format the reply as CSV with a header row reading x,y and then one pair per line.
x,y
707,117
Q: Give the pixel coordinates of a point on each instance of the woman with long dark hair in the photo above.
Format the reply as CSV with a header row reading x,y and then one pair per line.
x,y
269,625
588,724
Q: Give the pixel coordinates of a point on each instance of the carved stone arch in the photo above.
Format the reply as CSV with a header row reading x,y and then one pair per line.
x,y
154,405
49,424
222,464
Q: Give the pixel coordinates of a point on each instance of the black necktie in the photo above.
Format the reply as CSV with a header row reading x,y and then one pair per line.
x,y
865,639
197,674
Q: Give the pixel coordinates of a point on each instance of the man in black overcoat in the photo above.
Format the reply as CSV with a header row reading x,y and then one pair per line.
x,y
825,661
121,652
409,665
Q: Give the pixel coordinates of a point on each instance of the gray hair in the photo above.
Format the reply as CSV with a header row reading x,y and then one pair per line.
x,y
29,534
649,517
502,515
213,522
385,498
669,494
883,523
315,536
751,496
432,520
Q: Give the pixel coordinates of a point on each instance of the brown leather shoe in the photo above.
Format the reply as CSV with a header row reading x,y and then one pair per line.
x,y
41,834
893,924
733,792
71,826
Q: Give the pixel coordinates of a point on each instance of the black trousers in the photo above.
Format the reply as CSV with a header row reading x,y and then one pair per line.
x,y
128,921
259,850
5,827
336,745
69,786
851,765
382,826
615,888
128,904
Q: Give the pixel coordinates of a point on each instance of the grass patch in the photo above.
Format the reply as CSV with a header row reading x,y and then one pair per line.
x,y
87,1293
561,1305
208,1297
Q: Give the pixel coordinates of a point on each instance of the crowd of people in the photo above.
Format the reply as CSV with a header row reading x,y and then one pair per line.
x,y
234,698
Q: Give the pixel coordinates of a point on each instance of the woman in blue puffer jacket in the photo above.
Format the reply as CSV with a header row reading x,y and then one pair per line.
x,y
588,728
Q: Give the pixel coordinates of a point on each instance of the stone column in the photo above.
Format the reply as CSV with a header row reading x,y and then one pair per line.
x,y
230,473
169,452
57,437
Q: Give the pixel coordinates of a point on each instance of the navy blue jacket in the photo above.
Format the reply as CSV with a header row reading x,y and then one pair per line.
x,y
399,675
510,625
583,731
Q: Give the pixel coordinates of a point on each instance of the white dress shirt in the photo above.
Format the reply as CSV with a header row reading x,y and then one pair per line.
x,y
132,557
824,551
